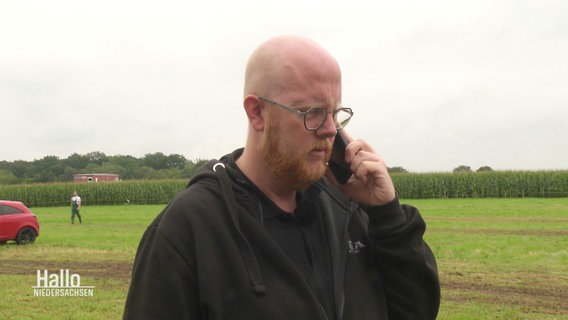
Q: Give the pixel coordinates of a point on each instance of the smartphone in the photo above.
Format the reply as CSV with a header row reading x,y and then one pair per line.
x,y
337,163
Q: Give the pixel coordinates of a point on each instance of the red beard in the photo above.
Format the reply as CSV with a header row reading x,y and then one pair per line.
x,y
293,168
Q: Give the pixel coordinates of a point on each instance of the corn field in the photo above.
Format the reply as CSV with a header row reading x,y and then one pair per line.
x,y
102,193
496,184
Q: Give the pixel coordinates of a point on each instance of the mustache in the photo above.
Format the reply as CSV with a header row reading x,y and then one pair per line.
x,y
323,145
326,145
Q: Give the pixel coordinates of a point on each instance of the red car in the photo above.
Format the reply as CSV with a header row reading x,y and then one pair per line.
x,y
17,223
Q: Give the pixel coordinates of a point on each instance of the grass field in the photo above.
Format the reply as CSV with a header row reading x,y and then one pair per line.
x,y
498,259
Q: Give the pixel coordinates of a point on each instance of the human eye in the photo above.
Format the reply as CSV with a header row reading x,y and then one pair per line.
x,y
315,113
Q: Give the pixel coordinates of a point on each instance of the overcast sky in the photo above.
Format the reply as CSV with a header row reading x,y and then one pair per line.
x,y
433,84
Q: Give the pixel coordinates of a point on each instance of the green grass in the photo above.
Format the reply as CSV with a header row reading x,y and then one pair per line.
x,y
498,259
100,250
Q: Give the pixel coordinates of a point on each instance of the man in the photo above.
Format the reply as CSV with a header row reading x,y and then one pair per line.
x,y
267,232
75,207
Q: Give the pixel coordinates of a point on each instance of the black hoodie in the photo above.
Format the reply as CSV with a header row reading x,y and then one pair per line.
x,y
207,256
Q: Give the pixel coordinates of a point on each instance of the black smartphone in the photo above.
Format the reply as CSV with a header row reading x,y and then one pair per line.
x,y
337,162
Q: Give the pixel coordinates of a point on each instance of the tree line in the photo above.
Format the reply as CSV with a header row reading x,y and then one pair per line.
x,y
152,166
54,169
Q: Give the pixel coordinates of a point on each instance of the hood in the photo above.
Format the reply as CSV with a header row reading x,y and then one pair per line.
x,y
217,172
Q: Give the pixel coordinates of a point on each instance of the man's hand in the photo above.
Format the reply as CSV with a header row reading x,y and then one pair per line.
x,y
370,184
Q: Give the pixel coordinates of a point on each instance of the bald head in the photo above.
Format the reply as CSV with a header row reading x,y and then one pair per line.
x,y
298,73
288,63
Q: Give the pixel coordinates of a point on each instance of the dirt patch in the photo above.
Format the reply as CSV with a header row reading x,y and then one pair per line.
x,y
507,232
113,270
550,298
498,219
547,296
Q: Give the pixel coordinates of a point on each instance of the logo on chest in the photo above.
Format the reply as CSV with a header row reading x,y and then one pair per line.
x,y
355,246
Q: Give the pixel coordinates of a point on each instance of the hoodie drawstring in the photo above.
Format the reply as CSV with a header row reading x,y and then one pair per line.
x,y
247,253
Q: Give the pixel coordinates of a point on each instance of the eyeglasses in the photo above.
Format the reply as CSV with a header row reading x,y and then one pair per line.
x,y
314,118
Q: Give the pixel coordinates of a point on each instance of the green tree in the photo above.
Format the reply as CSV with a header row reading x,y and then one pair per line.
x,y
146,172
96,157
175,161
47,169
19,168
52,169
397,170
77,161
462,168
7,177
190,167
127,164
155,161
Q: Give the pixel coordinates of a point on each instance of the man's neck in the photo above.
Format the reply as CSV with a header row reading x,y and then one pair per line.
x,y
284,198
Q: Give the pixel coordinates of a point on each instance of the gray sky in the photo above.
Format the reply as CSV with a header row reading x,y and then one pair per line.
x,y
434,84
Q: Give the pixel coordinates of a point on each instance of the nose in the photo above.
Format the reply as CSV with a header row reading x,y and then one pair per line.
x,y
328,127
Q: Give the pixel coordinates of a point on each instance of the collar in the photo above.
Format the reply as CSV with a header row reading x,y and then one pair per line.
x,y
306,200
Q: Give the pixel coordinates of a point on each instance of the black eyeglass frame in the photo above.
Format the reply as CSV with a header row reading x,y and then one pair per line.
x,y
303,114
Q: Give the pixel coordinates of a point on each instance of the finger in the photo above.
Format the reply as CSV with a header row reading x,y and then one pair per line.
x,y
367,171
356,146
346,135
362,157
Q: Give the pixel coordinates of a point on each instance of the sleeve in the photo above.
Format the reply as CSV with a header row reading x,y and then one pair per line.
x,y
408,265
163,284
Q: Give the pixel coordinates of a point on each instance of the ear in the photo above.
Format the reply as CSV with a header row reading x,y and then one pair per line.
x,y
254,111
